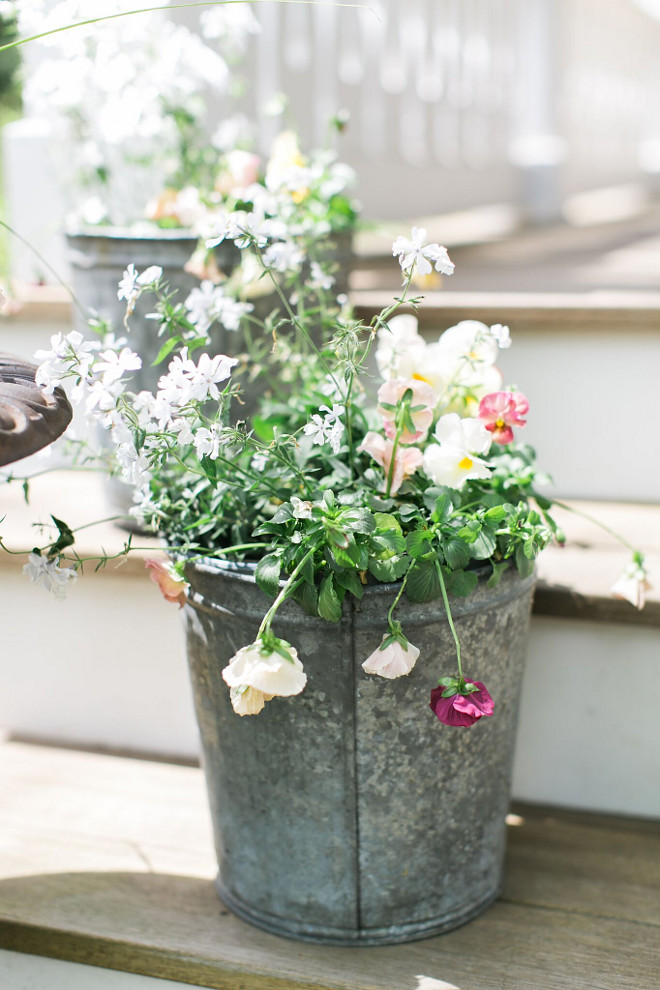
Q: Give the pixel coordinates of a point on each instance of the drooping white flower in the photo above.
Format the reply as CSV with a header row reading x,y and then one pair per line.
x,y
49,575
247,700
394,660
632,585
268,672
415,254
454,459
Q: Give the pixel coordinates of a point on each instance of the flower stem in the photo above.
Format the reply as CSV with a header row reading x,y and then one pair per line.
x,y
291,583
450,620
596,522
396,601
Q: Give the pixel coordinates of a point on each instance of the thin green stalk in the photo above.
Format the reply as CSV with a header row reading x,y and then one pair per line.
x,y
596,522
79,306
396,600
175,6
450,620
291,584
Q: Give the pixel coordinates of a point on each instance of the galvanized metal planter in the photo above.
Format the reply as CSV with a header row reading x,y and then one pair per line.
x,y
349,814
99,256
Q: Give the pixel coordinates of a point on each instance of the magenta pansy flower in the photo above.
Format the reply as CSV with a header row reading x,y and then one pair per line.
x,y
462,709
500,411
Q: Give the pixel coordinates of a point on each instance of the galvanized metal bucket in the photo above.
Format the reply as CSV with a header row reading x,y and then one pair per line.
x,y
98,259
349,814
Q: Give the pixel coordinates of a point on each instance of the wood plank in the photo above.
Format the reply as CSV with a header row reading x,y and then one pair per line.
x,y
108,861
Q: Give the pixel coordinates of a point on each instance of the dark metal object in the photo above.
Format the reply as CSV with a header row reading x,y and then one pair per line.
x,y
29,419
349,814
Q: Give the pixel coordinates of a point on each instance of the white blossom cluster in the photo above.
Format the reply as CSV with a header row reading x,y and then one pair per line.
x,y
109,88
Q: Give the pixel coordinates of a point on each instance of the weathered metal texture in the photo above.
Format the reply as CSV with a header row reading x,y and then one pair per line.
x,y
29,418
98,259
349,814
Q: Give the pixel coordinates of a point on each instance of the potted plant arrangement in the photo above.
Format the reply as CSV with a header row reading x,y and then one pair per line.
x,y
355,562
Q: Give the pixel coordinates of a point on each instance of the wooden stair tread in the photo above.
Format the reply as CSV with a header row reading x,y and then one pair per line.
x,y
108,861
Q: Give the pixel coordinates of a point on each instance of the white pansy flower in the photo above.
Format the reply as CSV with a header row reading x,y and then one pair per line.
x,y
271,673
400,351
454,459
49,575
395,660
248,700
415,255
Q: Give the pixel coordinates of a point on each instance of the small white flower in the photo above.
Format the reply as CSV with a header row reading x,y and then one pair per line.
x,y
416,254
318,279
207,442
395,660
132,283
49,575
328,429
283,257
502,335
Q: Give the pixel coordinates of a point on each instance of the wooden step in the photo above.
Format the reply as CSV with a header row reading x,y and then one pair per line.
x,y
108,862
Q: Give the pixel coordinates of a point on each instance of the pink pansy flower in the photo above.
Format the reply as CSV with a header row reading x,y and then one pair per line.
x,y
462,709
406,460
394,660
421,407
172,586
500,411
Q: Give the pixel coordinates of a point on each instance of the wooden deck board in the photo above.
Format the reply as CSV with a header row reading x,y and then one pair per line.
x,y
108,861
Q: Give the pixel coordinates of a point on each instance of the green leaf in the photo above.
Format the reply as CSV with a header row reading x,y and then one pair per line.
x,y
443,508
165,350
329,605
389,570
461,583
495,515
307,597
385,521
457,554
359,520
283,514
484,545
65,538
307,572
263,428
524,564
423,583
350,581
267,574
419,542
496,576
384,544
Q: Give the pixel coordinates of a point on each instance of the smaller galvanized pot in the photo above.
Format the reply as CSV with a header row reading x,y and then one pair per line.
x,y
349,814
